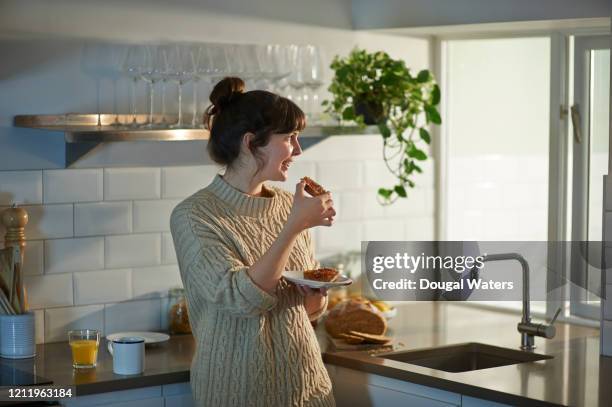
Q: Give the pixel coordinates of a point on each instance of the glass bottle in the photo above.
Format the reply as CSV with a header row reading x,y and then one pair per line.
x,y
178,319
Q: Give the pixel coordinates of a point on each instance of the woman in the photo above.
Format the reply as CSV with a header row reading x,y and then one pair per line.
x,y
234,238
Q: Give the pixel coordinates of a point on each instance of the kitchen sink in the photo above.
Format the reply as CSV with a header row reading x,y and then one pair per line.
x,y
464,357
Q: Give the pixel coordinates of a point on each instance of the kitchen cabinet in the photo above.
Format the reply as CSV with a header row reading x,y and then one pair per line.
x,y
167,395
360,389
467,401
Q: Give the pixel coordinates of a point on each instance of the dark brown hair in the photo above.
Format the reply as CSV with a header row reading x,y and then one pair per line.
x,y
234,112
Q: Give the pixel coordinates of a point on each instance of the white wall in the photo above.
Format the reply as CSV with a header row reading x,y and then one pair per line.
x,y
423,13
99,253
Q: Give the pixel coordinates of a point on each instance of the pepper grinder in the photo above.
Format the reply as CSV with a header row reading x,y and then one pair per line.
x,y
14,220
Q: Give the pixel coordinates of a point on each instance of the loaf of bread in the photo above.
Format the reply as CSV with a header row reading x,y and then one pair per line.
x,y
355,314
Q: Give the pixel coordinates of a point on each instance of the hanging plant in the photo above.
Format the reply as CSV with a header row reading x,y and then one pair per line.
x,y
375,89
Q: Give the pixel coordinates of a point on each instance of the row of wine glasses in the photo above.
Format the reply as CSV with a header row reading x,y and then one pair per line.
x,y
295,71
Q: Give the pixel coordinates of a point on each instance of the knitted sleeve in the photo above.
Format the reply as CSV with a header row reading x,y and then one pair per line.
x,y
211,271
310,247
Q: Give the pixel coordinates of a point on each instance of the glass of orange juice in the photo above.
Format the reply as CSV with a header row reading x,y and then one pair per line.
x,y
84,344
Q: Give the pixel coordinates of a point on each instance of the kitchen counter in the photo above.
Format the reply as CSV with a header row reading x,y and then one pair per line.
x,y
576,375
165,363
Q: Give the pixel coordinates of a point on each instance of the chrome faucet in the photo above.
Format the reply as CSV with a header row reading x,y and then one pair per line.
x,y
528,329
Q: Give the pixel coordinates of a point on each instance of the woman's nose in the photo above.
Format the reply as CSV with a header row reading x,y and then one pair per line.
x,y
297,150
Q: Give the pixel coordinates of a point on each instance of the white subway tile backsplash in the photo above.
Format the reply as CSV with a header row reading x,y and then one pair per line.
x,y
346,147
153,216
21,187
168,254
54,290
371,206
419,229
33,262
377,175
383,229
132,183
102,218
143,315
49,221
78,254
427,177
155,281
180,182
39,326
78,185
337,175
415,204
58,321
108,242
102,286
132,250
349,205
340,236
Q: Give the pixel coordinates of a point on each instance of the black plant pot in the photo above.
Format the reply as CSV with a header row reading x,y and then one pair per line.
x,y
372,112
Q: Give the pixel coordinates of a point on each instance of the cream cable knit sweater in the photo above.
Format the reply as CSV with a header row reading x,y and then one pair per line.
x,y
253,348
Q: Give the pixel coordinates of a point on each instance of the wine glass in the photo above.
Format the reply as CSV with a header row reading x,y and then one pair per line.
x,y
134,66
156,69
218,65
296,78
314,78
181,69
282,67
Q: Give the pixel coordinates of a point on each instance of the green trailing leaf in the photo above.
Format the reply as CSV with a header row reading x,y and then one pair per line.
x,y
385,193
348,113
423,76
424,135
400,191
384,130
435,95
433,115
417,154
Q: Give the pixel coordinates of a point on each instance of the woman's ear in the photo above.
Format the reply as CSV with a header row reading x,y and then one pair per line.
x,y
246,142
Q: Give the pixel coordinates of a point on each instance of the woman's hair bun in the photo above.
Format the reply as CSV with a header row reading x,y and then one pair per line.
x,y
224,92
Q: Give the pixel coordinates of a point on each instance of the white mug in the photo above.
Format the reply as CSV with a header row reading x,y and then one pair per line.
x,y
128,355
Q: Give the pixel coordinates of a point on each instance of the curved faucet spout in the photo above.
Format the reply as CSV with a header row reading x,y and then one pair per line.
x,y
525,267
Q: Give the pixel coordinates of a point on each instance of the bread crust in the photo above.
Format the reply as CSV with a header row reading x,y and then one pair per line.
x,y
357,315
312,187
324,274
369,338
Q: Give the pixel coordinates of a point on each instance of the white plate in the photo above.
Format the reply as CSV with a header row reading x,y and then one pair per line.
x,y
149,337
297,277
